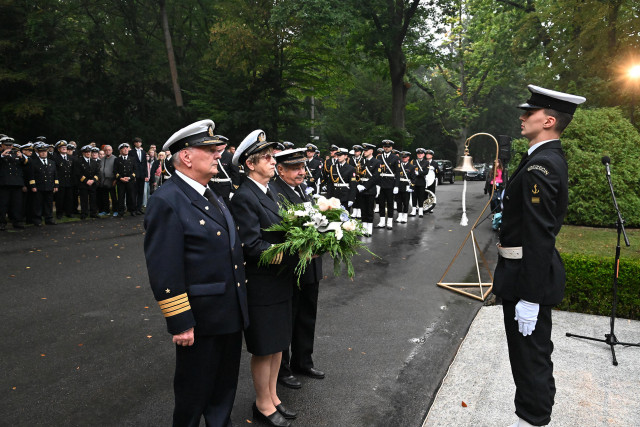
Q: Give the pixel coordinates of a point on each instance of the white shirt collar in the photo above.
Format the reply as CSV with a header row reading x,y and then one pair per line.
x,y
192,183
536,146
260,186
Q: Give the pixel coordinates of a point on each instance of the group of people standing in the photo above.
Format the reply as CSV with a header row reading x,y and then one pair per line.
x,y
50,181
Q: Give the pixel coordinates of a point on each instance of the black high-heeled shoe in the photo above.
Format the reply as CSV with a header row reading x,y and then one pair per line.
x,y
274,419
287,413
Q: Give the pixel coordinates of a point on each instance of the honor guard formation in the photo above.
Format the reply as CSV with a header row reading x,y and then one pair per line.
x,y
42,183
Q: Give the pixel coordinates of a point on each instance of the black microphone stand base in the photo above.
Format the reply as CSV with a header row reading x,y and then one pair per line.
x,y
610,340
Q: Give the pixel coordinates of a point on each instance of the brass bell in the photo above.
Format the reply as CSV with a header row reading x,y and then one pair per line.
x,y
465,164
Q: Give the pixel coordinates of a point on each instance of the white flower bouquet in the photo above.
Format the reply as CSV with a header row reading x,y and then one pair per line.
x,y
315,229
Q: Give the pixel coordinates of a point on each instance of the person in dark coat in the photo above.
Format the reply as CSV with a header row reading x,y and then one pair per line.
x,y
124,168
313,167
139,157
290,186
88,183
64,169
529,275
343,179
431,164
269,287
389,183
368,184
12,165
222,182
43,183
195,265
407,180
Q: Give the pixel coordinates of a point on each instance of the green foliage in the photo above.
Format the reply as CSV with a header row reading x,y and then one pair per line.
x,y
589,286
305,240
591,135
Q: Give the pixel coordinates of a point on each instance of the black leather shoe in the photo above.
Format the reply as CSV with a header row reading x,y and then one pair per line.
x,y
274,419
287,413
290,381
311,372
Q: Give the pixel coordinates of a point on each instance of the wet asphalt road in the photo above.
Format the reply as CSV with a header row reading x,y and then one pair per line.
x,y
83,341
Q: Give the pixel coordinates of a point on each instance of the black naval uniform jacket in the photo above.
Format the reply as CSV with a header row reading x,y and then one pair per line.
x,y
313,168
282,191
124,168
194,259
389,165
222,182
407,176
253,212
343,182
535,204
88,170
11,170
43,177
422,170
64,169
370,175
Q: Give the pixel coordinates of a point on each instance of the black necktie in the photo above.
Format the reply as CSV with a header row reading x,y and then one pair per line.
x,y
215,201
270,195
300,193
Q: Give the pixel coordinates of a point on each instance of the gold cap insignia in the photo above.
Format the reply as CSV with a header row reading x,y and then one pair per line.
x,y
262,137
210,130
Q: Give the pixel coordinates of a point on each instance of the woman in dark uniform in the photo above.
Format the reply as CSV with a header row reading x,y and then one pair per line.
x,y
269,287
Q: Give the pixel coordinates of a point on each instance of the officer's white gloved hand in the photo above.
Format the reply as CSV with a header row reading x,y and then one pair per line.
x,y
230,196
349,203
360,188
377,191
527,316
395,190
409,189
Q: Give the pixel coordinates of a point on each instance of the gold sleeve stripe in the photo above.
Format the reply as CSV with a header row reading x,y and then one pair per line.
x,y
56,181
278,258
170,309
172,299
177,310
33,181
82,179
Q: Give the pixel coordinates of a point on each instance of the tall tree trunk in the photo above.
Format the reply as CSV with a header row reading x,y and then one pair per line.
x,y
397,68
172,58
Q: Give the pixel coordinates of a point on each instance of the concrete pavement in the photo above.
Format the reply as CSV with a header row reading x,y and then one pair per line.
x,y
590,390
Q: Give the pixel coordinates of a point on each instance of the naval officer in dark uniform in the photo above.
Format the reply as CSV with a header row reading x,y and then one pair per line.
x,y
195,264
269,287
529,276
290,186
12,165
367,187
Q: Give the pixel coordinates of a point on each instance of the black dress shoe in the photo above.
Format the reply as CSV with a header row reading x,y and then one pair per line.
x,y
290,381
274,419
311,372
287,413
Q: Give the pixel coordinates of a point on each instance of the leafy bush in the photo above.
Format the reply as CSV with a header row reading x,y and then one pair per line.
x,y
590,286
591,135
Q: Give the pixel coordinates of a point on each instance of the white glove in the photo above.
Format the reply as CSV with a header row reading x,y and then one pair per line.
x,y
409,189
349,203
431,168
527,316
324,188
230,196
360,188
377,191
395,190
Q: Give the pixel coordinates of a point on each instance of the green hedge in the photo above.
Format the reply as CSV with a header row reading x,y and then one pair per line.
x,y
590,286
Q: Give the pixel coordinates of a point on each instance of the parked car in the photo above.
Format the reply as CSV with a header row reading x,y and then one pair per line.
x,y
447,171
480,175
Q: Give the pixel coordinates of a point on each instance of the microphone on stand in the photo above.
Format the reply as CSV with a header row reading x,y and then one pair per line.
x,y
605,161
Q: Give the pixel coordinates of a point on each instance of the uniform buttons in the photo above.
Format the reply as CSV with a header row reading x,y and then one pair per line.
x,y
244,263
246,280
242,244
238,228
238,284
218,233
235,266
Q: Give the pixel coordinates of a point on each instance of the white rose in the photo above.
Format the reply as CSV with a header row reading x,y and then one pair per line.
x,y
338,233
323,204
349,225
334,203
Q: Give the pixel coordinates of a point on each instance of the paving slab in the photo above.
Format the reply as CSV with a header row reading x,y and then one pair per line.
x,y
590,390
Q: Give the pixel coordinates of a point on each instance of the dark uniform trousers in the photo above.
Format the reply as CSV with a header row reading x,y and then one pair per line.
x,y
387,183
535,204
531,365
218,360
304,301
10,203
